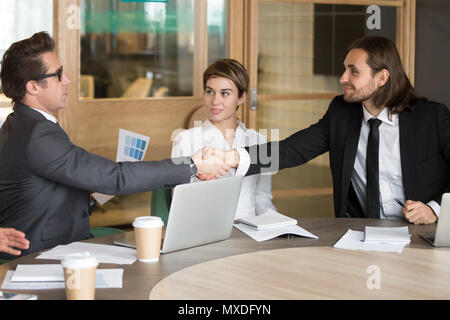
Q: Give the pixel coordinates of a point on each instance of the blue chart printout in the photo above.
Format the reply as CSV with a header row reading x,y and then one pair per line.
x,y
131,147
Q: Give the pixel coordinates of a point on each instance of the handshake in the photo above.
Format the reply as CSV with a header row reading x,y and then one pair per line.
x,y
214,163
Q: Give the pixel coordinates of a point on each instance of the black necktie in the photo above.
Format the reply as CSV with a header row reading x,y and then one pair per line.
x,y
373,184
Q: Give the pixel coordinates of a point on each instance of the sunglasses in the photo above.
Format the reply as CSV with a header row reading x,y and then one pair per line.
x,y
58,73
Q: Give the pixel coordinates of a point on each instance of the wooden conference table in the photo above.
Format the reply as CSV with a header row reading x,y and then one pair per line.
x,y
281,268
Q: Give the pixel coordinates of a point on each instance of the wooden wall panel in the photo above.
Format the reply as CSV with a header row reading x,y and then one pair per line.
x,y
98,123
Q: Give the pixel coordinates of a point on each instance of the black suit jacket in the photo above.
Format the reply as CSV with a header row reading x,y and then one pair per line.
x,y
424,151
45,180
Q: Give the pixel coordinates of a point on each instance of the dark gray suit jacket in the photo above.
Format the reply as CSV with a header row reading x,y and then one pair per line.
x,y
45,180
424,151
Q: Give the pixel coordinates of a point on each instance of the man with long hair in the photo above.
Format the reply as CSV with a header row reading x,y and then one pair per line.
x,y
389,149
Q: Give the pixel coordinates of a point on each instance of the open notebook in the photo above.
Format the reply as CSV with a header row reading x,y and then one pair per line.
x,y
393,235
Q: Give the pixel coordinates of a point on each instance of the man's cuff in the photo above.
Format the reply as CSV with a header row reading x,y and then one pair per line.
x,y
244,162
435,206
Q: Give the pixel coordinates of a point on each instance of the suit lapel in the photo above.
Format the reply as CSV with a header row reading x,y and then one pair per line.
x,y
350,148
406,128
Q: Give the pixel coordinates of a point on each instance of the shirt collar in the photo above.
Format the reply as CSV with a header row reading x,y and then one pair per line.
x,y
383,116
208,125
48,116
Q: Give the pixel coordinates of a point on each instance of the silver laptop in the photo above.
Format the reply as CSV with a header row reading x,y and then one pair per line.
x,y
200,213
442,236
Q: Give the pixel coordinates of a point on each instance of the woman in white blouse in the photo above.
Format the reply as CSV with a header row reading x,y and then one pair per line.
x,y
226,83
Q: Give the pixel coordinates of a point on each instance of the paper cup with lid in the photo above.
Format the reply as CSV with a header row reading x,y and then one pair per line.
x,y
79,275
147,231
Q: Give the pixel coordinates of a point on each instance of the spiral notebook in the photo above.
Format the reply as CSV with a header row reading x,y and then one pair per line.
x,y
394,235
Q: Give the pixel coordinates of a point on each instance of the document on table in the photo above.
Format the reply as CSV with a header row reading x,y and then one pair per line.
x,y
103,253
131,147
262,235
50,276
38,272
354,240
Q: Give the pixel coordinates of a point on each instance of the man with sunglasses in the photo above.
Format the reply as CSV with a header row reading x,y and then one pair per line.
x,y
45,180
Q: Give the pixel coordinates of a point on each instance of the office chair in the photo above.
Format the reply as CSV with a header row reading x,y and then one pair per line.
x,y
160,204
101,231
138,89
87,88
104,231
162,198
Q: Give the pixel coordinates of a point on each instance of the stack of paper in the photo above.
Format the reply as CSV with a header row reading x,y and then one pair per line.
x,y
269,225
38,272
50,276
103,253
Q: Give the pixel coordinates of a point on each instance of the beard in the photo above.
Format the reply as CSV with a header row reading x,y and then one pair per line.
x,y
360,95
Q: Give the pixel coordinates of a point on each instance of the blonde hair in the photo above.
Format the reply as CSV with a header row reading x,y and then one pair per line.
x,y
230,69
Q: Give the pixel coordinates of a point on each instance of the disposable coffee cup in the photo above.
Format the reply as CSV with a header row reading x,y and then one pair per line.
x,y
79,275
147,231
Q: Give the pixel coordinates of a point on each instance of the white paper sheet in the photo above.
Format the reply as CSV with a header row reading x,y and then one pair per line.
x,y
102,198
105,278
263,235
131,147
354,240
103,253
38,272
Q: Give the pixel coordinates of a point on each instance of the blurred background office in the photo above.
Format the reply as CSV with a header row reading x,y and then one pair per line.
x,y
137,65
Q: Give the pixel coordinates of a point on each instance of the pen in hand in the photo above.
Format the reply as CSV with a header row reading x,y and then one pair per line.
x,y
400,203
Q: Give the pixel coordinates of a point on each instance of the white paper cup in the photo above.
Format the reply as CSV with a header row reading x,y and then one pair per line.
x,y
79,275
147,231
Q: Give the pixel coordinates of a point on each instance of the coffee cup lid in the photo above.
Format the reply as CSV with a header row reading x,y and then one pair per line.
x,y
80,260
148,222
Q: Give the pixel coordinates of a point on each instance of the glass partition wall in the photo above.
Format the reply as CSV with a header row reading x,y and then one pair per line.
x,y
144,49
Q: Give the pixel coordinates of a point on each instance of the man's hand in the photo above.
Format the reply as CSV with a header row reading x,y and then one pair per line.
x,y
418,213
10,239
210,164
231,157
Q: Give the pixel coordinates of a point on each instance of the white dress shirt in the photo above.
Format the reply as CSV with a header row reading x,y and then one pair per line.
x,y
256,192
390,170
48,116
389,166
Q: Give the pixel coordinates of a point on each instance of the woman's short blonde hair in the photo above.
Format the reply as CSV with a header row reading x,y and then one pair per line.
x,y
231,69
